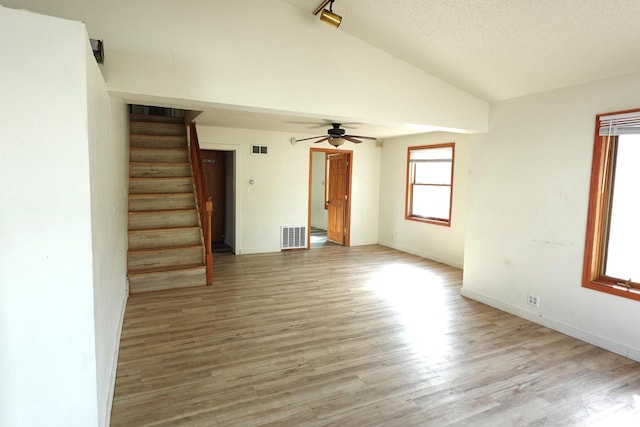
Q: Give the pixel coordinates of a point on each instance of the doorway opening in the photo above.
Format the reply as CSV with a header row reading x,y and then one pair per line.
x,y
219,170
329,197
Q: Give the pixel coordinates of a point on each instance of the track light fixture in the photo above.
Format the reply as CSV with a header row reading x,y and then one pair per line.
x,y
98,50
328,16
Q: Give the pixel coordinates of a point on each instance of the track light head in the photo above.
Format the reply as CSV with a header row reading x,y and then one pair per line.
x,y
98,50
331,18
328,16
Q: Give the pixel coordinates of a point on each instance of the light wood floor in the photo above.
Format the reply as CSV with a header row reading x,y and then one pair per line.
x,y
357,336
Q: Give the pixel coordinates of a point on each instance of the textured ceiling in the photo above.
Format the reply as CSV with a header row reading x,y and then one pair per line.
x,y
500,49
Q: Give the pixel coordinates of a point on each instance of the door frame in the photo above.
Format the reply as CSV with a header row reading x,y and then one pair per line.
x,y
347,219
232,195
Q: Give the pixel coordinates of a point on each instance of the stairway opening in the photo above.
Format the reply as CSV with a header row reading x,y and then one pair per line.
x,y
166,248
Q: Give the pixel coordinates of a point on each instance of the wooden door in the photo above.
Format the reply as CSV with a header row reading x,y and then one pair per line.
x,y
214,170
337,193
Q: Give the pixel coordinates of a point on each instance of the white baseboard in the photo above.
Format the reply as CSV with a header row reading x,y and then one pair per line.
x,y
114,366
612,346
412,251
249,251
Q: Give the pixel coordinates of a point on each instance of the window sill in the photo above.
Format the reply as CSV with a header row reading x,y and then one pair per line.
x,y
429,220
621,291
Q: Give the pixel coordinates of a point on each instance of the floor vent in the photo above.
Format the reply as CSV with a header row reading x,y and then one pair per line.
x,y
293,237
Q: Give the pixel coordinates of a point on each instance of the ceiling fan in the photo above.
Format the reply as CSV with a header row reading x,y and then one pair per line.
x,y
336,136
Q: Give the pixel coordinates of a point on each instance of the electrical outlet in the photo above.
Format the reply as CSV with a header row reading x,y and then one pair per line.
x,y
533,300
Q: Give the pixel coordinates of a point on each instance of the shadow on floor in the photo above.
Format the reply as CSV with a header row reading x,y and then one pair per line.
x,y
220,247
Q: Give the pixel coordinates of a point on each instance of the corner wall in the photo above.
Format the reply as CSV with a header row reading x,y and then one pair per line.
x,y
108,161
48,356
529,191
443,244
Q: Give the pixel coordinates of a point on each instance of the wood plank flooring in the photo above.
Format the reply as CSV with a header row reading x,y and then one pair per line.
x,y
364,336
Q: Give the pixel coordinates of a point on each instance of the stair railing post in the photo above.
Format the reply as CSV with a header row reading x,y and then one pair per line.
x,y
207,239
205,204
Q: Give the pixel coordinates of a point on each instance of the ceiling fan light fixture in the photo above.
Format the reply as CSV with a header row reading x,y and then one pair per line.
x,y
336,142
331,18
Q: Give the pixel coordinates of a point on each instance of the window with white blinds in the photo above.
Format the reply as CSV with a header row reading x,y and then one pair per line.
x,y
612,254
619,124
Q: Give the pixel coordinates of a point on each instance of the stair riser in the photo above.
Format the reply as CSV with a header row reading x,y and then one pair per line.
x,y
177,185
151,141
151,171
165,258
164,238
161,202
141,221
150,128
152,155
167,280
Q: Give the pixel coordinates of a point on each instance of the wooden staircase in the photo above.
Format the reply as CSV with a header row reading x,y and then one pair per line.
x,y
166,248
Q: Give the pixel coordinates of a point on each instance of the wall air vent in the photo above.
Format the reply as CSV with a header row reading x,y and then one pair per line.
x,y
259,149
293,237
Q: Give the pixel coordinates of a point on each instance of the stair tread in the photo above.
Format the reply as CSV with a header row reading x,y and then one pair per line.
x,y
146,230
164,269
167,248
150,195
181,138
157,149
139,163
163,211
158,178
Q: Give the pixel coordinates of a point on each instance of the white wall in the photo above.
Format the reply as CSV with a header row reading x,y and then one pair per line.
x,y
529,189
436,242
280,193
47,335
261,55
318,212
108,160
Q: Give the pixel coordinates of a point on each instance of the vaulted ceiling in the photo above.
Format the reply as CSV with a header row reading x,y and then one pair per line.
x,y
493,49
499,49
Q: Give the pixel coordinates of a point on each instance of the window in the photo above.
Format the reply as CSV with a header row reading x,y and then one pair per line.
x,y
612,257
430,183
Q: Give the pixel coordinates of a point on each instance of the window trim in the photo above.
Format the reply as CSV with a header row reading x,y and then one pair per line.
x,y
603,164
408,186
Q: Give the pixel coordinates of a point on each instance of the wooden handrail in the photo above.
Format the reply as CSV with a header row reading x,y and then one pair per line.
x,y
205,203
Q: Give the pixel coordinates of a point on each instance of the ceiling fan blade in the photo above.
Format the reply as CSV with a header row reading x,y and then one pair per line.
x,y
322,123
360,137
321,140
313,137
308,125
352,139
